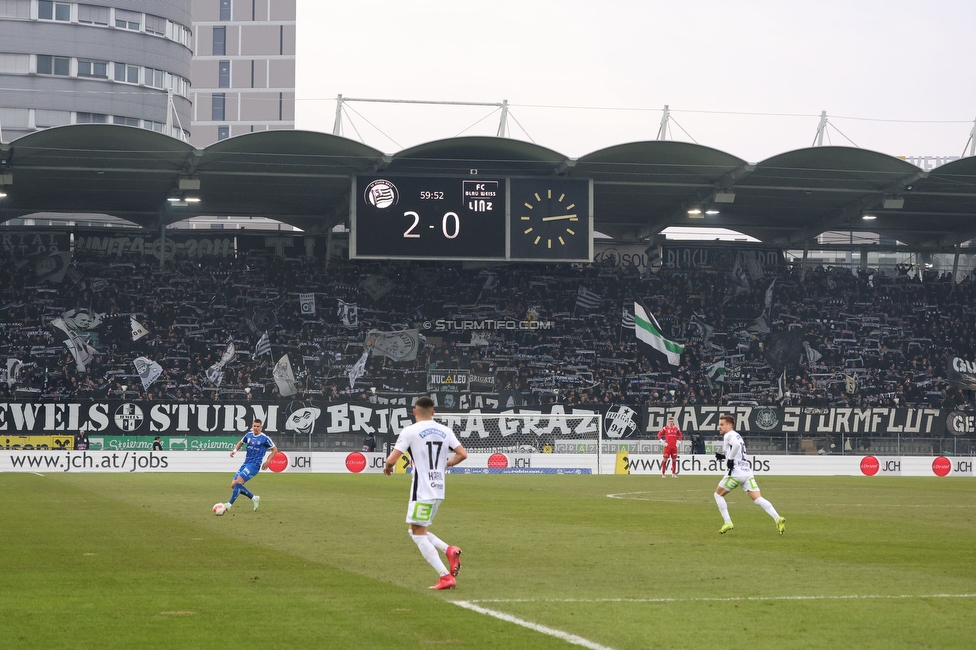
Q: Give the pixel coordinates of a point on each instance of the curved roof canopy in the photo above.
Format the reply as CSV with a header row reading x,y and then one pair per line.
x,y
302,178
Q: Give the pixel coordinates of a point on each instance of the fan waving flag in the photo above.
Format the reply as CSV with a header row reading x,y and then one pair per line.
x,y
263,345
627,320
649,333
716,372
586,299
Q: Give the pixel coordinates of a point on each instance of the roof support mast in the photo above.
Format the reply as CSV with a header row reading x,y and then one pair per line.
x,y
503,121
972,142
818,139
337,126
662,132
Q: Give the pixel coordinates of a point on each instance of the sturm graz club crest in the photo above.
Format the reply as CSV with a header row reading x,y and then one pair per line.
x,y
128,417
381,194
766,418
620,422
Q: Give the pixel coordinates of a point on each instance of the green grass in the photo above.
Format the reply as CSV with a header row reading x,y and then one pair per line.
x,y
138,561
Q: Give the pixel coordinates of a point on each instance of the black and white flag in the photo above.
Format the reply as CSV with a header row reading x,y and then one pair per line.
x,y
51,267
812,355
138,331
626,319
263,346
284,377
377,286
402,345
586,299
149,371
705,330
307,301
348,314
78,347
215,373
761,324
655,258
358,370
13,371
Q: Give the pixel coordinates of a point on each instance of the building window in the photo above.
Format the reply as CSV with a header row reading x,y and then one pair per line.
x,y
58,65
217,107
225,9
16,9
14,63
45,118
128,20
158,127
154,78
219,41
92,15
155,25
92,118
126,121
127,73
48,10
92,69
223,132
223,74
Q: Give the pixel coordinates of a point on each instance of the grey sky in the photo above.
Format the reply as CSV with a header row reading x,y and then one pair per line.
x,y
748,78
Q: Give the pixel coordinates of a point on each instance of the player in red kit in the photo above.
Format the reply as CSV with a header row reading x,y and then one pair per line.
x,y
671,436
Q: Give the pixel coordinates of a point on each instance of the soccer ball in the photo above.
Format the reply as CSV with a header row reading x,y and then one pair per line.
x,y
219,509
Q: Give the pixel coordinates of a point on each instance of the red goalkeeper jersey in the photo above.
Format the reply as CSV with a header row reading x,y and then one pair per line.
x,y
671,436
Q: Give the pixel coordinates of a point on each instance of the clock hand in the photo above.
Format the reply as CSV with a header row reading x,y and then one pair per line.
x,y
571,217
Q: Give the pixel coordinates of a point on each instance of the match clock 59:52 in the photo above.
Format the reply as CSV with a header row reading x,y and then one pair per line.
x,y
550,219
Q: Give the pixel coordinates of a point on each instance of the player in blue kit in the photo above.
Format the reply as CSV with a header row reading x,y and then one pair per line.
x,y
257,444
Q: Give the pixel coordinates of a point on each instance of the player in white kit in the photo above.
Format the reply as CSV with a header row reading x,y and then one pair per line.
x,y
429,443
740,473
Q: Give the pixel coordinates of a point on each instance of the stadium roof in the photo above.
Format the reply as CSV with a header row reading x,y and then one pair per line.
x,y
302,178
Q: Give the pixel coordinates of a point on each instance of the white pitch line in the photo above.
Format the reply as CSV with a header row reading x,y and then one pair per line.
x,y
37,474
703,600
559,634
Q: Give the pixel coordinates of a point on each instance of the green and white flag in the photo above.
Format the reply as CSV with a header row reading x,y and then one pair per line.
x,y
716,371
649,333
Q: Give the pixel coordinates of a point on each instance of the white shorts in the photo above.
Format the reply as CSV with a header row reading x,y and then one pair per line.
x,y
421,513
739,477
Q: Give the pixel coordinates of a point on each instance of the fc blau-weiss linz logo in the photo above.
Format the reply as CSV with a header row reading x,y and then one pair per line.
x,y
381,194
128,417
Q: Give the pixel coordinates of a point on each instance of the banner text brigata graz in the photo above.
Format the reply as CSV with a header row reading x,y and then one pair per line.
x,y
18,418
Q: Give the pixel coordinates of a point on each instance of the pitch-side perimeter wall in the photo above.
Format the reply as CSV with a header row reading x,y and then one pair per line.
x,y
42,462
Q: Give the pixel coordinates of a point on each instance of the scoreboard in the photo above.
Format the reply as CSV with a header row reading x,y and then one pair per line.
x,y
471,218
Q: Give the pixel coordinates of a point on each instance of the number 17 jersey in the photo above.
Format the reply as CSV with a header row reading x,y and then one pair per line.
x,y
429,444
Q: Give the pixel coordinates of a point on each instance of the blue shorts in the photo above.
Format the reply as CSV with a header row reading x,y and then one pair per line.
x,y
247,472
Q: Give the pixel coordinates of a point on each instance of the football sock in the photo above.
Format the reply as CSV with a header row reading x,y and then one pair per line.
x,y
723,507
430,553
436,541
768,507
235,494
246,492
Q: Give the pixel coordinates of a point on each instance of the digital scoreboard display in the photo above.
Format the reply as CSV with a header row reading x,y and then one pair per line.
x,y
428,218
471,218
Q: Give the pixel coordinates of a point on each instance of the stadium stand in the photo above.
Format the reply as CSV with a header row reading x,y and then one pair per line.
x,y
834,339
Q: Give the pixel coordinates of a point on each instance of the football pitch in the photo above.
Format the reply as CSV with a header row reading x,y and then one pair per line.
x,y
139,561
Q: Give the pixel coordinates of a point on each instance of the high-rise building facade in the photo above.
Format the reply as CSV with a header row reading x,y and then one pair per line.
x,y
108,62
243,77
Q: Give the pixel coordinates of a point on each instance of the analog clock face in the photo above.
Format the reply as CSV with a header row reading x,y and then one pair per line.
x,y
550,220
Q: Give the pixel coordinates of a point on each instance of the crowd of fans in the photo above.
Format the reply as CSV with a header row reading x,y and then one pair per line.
x,y
851,340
